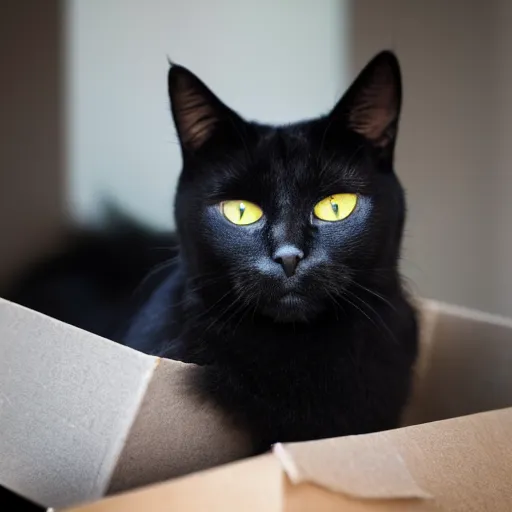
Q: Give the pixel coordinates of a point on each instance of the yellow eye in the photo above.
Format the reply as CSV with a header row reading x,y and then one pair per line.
x,y
241,213
336,207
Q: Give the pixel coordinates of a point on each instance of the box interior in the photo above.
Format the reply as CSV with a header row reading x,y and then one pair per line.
x,y
82,416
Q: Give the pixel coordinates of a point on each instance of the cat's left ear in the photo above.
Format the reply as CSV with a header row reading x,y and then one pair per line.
x,y
199,115
371,106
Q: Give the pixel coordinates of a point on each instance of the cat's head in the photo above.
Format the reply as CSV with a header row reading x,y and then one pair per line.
x,y
292,220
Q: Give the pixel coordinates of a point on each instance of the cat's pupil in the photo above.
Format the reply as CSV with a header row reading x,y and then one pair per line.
x,y
334,206
242,210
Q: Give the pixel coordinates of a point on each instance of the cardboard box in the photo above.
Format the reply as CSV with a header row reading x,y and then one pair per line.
x,y
81,417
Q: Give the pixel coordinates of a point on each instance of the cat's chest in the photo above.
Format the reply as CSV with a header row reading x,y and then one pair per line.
x,y
295,362
305,383
299,392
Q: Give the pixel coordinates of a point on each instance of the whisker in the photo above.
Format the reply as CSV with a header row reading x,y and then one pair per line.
x,y
152,272
383,323
372,292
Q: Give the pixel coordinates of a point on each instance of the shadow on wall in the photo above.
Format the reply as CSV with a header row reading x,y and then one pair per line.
x,y
456,91
31,131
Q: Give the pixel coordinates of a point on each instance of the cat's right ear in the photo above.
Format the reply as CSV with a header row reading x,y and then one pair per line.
x,y
198,114
371,106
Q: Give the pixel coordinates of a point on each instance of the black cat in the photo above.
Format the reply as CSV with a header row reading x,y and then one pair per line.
x,y
286,286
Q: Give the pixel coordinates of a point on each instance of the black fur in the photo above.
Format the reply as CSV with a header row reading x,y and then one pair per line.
x,y
328,351
98,276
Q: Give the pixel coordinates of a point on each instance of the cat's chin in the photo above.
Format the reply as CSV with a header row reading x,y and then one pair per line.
x,y
292,308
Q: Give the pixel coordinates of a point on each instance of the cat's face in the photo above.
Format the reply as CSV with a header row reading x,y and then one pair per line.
x,y
290,221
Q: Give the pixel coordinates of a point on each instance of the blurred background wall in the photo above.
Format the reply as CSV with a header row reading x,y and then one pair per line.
x,y
445,153
85,113
271,60
32,173
499,97
455,145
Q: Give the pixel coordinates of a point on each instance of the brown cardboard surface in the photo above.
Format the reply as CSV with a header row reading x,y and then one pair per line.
x,y
80,416
368,467
460,464
311,498
465,363
249,486
463,463
175,432
67,401
254,485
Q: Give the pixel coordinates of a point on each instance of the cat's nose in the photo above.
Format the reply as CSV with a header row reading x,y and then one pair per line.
x,y
288,257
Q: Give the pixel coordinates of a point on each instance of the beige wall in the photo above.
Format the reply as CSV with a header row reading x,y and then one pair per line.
x,y
500,89
31,177
454,148
273,60
446,144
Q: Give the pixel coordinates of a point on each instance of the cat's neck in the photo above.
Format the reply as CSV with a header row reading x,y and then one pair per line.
x,y
208,324
229,331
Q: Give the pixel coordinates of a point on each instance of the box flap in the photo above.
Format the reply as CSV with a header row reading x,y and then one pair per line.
x,y
465,363
176,432
67,402
368,467
81,416
463,463
252,485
